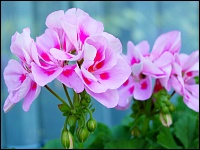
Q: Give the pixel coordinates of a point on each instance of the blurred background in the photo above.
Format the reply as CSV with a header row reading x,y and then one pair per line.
x,y
135,21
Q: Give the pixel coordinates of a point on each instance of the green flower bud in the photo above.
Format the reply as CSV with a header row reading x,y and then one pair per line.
x,y
167,103
135,132
73,111
165,110
82,134
171,108
67,139
91,125
71,120
84,103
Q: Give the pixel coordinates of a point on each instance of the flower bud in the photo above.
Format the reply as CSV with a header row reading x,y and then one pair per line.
x,y
91,125
135,132
84,102
165,110
71,120
67,139
171,108
82,134
166,119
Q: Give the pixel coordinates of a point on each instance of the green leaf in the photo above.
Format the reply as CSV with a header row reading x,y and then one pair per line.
x,y
99,137
53,144
184,129
121,132
126,144
165,138
63,108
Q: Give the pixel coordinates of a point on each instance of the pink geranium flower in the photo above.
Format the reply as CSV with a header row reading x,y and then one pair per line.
x,y
103,69
140,80
18,77
185,68
61,45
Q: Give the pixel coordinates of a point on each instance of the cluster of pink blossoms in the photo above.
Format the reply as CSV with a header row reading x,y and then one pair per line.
x,y
76,51
170,69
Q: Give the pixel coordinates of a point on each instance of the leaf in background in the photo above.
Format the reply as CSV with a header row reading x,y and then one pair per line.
x,y
126,144
165,138
121,132
53,144
184,129
99,137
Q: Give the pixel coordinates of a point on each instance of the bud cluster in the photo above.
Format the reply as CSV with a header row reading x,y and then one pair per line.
x,y
76,117
164,107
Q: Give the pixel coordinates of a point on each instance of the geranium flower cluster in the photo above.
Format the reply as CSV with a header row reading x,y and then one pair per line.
x,y
169,68
76,51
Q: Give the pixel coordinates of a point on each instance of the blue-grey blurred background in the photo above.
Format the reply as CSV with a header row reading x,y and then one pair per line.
x,y
131,20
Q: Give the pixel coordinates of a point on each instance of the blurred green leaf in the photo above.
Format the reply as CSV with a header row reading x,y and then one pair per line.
x,y
165,138
99,137
184,129
125,143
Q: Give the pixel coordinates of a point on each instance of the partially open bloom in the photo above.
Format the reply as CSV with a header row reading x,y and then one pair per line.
x,y
185,68
166,119
18,77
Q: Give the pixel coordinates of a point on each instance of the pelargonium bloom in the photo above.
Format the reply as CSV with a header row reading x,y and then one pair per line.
x,y
185,68
61,45
140,80
18,77
103,69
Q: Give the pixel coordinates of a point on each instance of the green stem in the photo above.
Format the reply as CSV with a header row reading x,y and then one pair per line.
x,y
80,145
89,112
145,126
57,96
68,97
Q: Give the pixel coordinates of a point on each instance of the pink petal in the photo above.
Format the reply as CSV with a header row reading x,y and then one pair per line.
x,y
53,19
165,81
31,96
8,104
192,59
61,55
165,59
46,41
170,41
149,68
133,55
71,31
143,47
116,76
178,84
109,98
45,76
191,101
193,89
144,86
70,78
14,75
114,42
125,95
